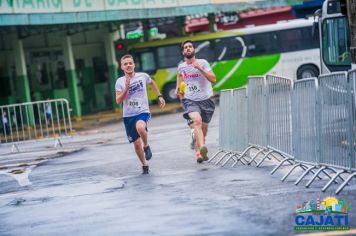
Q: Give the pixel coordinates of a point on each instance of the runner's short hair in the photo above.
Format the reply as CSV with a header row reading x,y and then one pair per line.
x,y
185,42
126,56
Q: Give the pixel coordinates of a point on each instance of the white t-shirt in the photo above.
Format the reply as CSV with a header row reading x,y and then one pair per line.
x,y
136,101
48,108
198,88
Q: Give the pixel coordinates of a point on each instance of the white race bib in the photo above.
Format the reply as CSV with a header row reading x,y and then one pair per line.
x,y
193,87
134,103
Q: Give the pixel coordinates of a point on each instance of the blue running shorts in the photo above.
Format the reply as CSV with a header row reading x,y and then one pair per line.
x,y
130,125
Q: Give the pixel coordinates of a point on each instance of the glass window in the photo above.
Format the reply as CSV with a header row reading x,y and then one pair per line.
x,y
40,67
204,50
100,70
61,75
261,44
169,56
335,42
4,83
297,39
147,60
228,48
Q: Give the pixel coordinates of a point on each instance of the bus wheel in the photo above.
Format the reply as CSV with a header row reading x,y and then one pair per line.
x,y
307,71
169,92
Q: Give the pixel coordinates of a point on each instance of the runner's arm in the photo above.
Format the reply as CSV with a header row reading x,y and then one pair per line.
x,y
121,95
155,88
179,80
209,75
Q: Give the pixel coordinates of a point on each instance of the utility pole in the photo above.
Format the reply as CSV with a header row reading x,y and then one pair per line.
x,y
351,12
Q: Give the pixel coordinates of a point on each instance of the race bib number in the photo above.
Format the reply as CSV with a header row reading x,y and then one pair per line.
x,y
193,88
134,103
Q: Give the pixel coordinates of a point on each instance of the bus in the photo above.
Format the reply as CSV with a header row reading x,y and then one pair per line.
x,y
286,48
334,37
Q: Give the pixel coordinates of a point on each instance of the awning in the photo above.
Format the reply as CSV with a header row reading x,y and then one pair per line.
x,y
39,12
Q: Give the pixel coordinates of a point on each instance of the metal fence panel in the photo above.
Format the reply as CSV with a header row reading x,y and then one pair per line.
x,y
352,82
335,120
35,120
304,120
239,120
225,131
278,113
256,110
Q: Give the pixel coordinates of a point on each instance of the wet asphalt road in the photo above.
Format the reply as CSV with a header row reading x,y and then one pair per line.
x,y
93,186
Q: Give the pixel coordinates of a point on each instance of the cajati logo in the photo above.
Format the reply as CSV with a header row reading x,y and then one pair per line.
x,y
327,214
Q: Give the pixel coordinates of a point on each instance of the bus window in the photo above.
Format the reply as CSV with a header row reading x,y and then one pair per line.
x,y
148,63
228,48
204,49
335,41
261,44
297,39
168,56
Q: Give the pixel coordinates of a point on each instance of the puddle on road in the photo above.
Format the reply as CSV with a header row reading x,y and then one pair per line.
x,y
21,174
237,180
110,190
32,201
23,165
17,171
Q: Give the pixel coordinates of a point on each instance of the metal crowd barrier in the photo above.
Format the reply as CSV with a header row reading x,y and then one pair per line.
x,y
256,112
239,126
306,148
352,144
256,122
310,124
33,121
332,119
224,124
235,123
278,117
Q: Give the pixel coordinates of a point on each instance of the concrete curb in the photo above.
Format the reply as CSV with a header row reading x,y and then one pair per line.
x,y
93,121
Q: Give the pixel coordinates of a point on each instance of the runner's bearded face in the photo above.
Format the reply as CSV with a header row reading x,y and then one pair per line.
x,y
188,51
128,65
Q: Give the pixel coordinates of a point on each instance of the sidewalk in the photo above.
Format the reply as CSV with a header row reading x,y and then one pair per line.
x,y
107,117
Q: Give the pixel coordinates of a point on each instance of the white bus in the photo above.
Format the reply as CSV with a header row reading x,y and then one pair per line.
x,y
287,49
334,37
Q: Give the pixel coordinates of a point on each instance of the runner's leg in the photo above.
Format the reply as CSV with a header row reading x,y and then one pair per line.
x,y
141,130
205,129
139,152
197,125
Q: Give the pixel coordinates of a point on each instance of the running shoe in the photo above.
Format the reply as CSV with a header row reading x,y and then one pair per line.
x,y
204,153
148,153
199,158
145,170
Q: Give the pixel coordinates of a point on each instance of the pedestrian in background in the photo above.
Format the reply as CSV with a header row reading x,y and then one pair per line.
x,y
48,111
131,91
35,108
197,103
5,123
